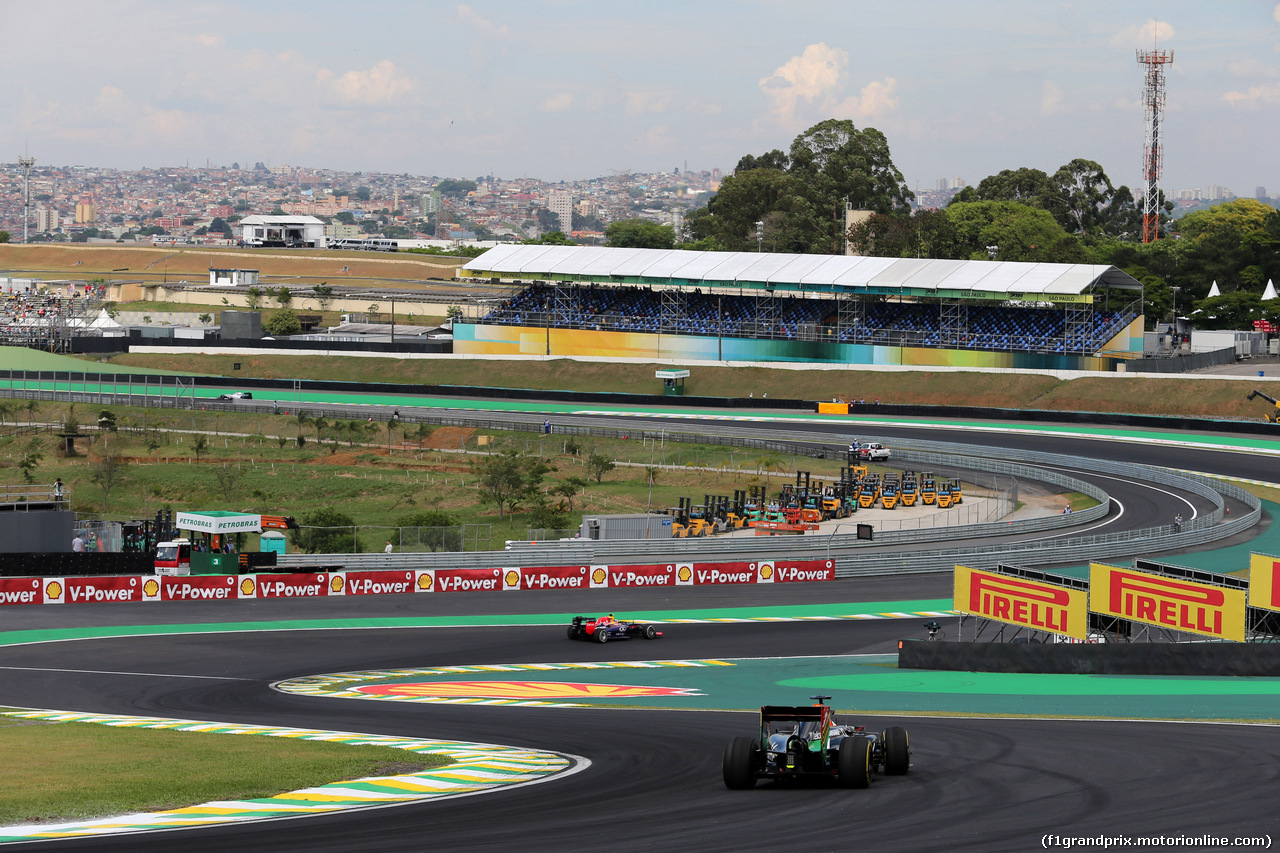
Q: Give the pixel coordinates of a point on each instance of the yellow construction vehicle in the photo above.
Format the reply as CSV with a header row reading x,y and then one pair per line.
x,y
910,489
889,492
957,494
1273,417
928,489
943,494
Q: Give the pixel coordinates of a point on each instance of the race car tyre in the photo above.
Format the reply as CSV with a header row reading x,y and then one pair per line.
x,y
741,759
573,633
854,762
897,752
601,635
650,632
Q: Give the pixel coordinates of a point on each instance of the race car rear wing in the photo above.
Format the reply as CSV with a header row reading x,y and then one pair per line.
x,y
791,713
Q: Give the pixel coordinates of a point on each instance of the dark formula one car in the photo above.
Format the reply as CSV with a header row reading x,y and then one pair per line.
x,y
806,741
606,628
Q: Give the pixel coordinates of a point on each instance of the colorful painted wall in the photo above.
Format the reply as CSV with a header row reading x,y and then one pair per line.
x,y
526,340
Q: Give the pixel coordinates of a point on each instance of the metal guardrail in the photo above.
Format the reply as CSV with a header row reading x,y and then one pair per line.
x,y
1207,528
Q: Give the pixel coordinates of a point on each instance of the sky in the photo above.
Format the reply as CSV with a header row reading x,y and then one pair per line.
x,y
567,90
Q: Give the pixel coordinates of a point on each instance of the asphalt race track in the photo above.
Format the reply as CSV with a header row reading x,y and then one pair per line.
x,y
654,782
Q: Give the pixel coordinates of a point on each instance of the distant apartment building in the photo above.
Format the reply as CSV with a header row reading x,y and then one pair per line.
x,y
1260,192
560,202
1217,193
223,210
168,223
339,231
47,219
587,207
431,203
86,213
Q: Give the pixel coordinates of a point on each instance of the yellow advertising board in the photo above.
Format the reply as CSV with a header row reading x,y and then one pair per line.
x,y
1264,581
1197,608
1017,601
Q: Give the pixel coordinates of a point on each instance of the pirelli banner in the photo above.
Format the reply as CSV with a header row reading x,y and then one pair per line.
x,y
1026,603
1173,603
1264,581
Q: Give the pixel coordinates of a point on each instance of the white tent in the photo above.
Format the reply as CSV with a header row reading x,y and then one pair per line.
x,y
1270,292
1213,291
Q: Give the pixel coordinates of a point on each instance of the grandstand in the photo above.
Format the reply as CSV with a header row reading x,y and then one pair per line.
x,y
767,307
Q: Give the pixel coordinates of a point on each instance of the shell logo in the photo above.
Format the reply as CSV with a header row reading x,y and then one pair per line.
x,y
424,581
599,576
246,586
53,590
766,571
512,578
684,574
150,588
522,690
335,583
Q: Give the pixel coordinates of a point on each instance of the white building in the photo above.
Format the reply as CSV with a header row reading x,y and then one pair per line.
x,y
232,278
560,202
282,231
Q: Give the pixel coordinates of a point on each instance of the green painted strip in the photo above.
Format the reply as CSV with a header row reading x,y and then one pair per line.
x,y
763,612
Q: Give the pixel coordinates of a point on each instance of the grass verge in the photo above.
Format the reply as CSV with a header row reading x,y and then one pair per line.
x,y
74,771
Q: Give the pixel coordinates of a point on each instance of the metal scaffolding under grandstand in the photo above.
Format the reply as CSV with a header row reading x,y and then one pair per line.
x,y
41,320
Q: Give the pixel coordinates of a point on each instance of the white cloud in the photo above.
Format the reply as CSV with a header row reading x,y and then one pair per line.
x,y
380,84
1152,34
209,40
814,82
474,19
557,103
636,103
1255,96
1275,13
1251,68
1051,100
811,75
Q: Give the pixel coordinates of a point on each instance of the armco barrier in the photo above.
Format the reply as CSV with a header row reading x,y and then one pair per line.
x,y
135,588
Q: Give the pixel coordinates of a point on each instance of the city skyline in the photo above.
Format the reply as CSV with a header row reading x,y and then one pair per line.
x,y
569,91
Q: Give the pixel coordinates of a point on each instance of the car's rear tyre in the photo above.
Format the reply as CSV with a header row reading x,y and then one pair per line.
x,y
854,762
573,633
897,751
650,632
601,635
741,759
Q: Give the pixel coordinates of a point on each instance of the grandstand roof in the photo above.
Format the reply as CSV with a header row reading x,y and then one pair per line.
x,y
793,272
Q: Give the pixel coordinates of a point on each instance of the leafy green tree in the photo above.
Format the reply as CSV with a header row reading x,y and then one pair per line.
x,y
455,188
545,514
346,217
640,234
282,295
4,237
30,461
567,489
253,298
326,531
228,479
282,323
200,445
364,193
507,478
1021,233
548,221
438,530
553,238
598,465
1235,310
106,473
323,295
219,226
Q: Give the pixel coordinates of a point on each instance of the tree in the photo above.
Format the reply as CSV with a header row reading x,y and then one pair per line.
x,y
323,294
508,477
205,318
4,237
546,515
598,465
567,489
346,217
106,473
455,188
364,193
548,221
227,478
326,531
640,234
253,298
1082,194
438,530
30,461
283,296
282,323
200,446
1021,233
219,226
551,238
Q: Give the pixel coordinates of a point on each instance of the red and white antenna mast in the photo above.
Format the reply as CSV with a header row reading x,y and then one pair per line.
x,y
1153,152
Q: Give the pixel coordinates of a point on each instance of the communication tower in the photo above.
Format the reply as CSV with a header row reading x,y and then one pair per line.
x,y
26,163
1153,152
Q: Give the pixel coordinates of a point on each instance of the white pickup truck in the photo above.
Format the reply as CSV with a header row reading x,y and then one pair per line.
x,y
871,450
